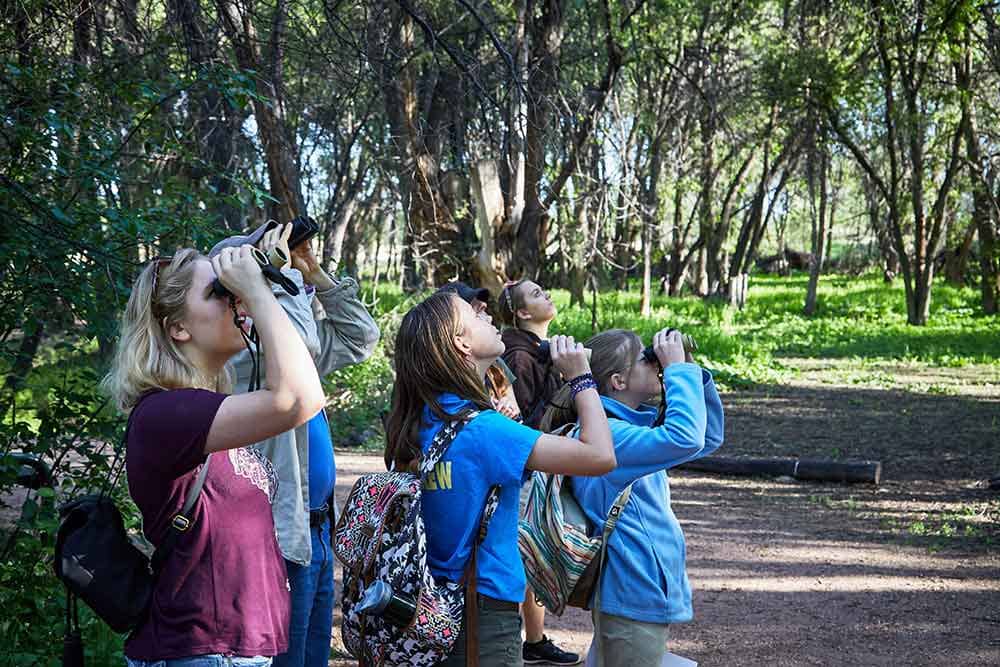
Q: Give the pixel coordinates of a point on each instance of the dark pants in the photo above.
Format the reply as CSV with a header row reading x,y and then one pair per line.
x,y
499,640
312,605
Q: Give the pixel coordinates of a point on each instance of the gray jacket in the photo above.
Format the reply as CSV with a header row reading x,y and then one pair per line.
x,y
347,335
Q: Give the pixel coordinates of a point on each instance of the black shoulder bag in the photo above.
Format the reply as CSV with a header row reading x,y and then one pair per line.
x,y
99,564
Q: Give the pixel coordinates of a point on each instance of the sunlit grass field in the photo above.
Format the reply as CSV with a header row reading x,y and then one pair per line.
x,y
860,321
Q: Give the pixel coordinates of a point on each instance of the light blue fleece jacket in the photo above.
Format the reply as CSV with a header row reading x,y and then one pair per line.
x,y
644,576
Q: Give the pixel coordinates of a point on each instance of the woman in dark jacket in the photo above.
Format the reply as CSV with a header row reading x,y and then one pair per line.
x,y
527,310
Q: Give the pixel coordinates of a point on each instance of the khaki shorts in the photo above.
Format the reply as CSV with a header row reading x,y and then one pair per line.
x,y
628,643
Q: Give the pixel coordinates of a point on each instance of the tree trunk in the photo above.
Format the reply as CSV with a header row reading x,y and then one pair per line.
x,y
647,269
352,242
956,261
488,197
716,262
275,135
546,47
984,205
25,356
818,224
216,121
532,237
890,259
706,216
513,173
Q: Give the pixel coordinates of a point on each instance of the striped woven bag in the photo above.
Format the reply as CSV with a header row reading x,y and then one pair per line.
x,y
561,559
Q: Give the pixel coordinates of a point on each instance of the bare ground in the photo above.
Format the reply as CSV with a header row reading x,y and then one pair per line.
x,y
786,572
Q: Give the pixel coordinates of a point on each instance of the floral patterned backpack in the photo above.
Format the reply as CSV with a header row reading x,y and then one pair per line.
x,y
380,538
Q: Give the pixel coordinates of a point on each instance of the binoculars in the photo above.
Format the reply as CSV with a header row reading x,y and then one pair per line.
x,y
303,229
545,351
648,355
687,341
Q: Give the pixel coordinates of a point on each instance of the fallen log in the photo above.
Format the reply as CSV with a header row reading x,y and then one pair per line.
x,y
861,472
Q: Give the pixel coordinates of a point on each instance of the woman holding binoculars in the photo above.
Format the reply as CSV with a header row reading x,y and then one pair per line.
x,y
643,587
222,595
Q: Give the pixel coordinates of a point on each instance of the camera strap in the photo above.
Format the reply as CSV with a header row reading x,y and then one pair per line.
x,y
252,342
277,277
661,412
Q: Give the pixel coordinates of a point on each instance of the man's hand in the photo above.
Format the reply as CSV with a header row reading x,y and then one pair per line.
x,y
304,259
276,238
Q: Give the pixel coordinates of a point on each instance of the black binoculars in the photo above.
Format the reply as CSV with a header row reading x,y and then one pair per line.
x,y
303,229
649,356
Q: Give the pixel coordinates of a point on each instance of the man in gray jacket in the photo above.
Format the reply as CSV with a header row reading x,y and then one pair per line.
x,y
338,331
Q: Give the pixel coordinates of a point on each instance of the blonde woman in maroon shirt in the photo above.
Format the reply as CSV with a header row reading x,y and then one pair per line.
x,y
222,596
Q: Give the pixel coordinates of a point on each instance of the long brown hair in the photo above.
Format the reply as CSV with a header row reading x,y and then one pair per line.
x,y
614,351
427,364
146,357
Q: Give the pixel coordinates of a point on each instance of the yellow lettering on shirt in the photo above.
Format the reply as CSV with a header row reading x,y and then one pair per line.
x,y
439,478
443,471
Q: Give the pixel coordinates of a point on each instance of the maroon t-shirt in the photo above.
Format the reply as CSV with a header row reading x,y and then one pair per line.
x,y
223,588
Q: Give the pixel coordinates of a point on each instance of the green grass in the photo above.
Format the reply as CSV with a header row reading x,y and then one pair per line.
x,y
860,320
856,318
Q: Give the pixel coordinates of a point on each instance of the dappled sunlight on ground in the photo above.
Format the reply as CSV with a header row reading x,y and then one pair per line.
x,y
787,572
794,573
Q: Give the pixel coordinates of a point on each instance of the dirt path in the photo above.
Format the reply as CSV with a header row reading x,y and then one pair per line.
x,y
795,573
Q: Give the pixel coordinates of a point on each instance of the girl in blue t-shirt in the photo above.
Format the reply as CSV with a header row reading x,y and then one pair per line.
x,y
443,351
169,374
644,586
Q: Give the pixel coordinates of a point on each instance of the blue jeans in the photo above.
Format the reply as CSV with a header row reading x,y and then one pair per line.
x,y
211,660
312,606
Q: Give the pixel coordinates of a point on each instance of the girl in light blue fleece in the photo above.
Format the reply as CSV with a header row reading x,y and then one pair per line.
x,y
644,586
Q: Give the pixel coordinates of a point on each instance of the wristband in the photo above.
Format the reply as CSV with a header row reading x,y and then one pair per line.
x,y
581,383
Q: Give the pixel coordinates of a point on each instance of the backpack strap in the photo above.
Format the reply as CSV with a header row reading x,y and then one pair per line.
x,y
442,441
471,579
609,526
437,449
181,521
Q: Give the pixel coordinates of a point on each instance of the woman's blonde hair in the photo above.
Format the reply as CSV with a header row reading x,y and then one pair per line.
x,y
614,351
146,357
427,365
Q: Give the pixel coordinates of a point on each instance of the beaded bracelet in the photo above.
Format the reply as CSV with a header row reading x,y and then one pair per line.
x,y
581,383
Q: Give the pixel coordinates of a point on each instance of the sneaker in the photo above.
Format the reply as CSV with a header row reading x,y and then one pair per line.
x,y
545,652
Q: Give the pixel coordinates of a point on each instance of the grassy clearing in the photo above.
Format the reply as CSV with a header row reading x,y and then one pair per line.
x,y
859,332
858,336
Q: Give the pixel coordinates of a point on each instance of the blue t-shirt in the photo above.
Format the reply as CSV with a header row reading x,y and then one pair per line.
x,y
491,449
322,472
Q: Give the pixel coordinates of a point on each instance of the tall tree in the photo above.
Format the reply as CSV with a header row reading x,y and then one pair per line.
x,y
270,110
920,141
985,209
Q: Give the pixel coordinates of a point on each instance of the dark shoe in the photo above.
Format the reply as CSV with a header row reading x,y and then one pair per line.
x,y
545,652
